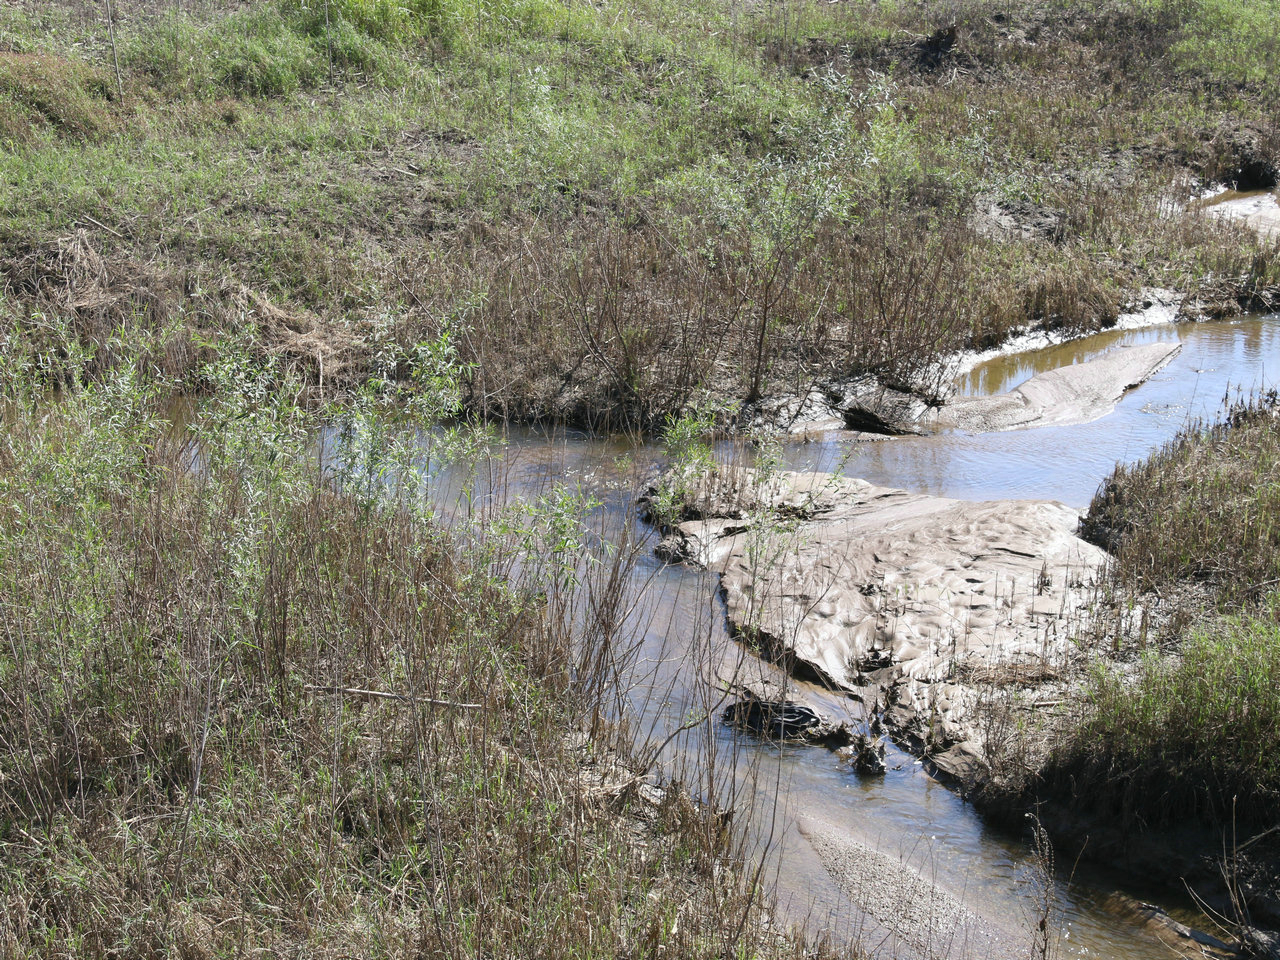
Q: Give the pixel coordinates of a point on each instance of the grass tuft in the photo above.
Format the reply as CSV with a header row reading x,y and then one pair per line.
x,y
1204,507
42,91
1188,738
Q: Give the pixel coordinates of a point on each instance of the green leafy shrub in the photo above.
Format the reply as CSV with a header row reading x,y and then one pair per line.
x,y
1191,736
686,442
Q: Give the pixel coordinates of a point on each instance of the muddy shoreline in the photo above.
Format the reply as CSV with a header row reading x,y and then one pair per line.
x,y
871,405
860,589
955,702
867,407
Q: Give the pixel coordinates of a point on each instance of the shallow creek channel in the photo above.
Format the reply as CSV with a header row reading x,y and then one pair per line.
x,y
899,863
1259,209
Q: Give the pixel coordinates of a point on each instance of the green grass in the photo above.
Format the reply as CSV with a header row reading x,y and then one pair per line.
x,y
1205,507
40,92
1189,738
1183,736
1230,43
397,159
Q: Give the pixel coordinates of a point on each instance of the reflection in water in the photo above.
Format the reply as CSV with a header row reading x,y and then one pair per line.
x,y
1260,209
1218,361
905,814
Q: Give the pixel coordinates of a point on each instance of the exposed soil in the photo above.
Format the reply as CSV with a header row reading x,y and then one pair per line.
x,y
967,629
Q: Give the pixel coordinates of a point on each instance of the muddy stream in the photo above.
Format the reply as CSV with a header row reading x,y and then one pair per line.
x,y
1259,209
899,863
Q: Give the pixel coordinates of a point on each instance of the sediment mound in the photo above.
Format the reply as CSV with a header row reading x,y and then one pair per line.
x,y
1072,394
904,598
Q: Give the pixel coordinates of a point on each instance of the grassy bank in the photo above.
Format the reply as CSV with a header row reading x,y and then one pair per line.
x,y
1186,739
621,208
1204,508
1184,734
252,708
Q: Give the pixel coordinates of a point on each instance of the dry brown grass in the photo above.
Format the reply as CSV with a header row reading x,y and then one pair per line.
x,y
245,711
613,325
105,300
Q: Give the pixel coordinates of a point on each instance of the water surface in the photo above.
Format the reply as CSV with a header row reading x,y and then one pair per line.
x,y
905,814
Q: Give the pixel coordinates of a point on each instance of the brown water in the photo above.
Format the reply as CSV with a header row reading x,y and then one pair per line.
x,y
905,814
1258,208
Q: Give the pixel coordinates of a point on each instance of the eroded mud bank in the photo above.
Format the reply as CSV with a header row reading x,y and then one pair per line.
x,y
1070,395
901,599
1074,394
1259,209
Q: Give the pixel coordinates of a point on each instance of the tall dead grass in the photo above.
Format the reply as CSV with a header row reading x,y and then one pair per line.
x,y
247,709
613,325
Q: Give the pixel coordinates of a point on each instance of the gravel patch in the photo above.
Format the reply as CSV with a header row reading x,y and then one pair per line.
x,y
911,916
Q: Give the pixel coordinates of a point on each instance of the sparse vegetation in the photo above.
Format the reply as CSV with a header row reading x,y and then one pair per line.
x,y
1185,735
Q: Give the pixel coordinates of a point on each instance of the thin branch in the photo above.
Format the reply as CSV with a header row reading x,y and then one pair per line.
x,y
111,29
382,695
99,223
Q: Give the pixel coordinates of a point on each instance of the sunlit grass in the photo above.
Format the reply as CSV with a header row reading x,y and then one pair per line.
x,y
1189,737
393,158
1185,735
1205,507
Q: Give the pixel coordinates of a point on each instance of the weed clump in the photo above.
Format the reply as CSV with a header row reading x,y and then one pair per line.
x,y
1185,733
1205,507
255,701
1187,739
44,91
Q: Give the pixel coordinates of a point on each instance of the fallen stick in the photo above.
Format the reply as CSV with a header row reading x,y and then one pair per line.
x,y
99,223
381,695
